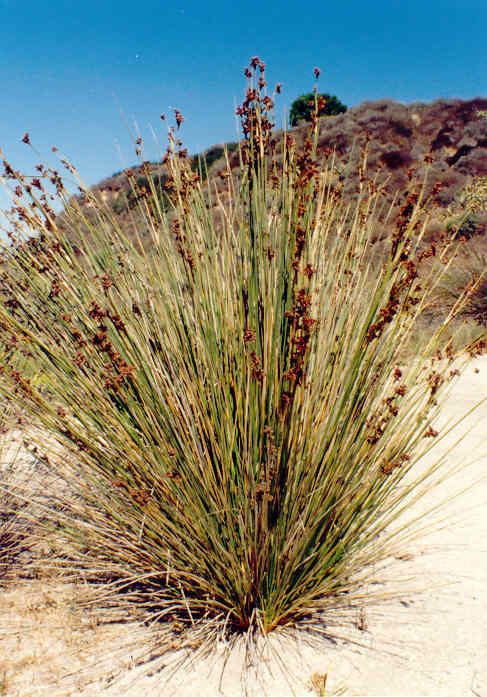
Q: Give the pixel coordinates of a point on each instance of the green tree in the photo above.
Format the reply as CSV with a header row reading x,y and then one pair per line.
x,y
303,107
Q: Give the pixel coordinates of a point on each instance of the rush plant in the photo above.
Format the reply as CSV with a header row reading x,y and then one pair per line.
x,y
231,415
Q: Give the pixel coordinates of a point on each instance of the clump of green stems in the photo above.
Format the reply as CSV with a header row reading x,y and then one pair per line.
x,y
236,418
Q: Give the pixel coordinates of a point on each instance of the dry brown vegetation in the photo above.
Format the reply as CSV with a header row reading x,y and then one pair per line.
x,y
399,137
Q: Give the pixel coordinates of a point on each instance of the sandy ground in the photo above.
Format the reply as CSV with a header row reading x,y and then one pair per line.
x,y
430,644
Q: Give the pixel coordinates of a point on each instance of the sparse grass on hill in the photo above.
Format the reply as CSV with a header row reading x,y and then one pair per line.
x,y
238,427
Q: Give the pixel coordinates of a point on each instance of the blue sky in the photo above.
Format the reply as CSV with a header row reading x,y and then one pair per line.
x,y
78,74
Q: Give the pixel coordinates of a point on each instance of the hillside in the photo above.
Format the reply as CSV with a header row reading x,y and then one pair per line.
x,y
452,132
445,141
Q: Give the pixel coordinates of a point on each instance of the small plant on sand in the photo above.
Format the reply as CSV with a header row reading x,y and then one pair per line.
x,y
470,272
237,426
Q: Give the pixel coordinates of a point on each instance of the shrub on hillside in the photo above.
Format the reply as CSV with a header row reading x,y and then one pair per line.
x,y
306,105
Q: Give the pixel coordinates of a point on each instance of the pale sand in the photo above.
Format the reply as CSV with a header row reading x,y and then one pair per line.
x,y
433,644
